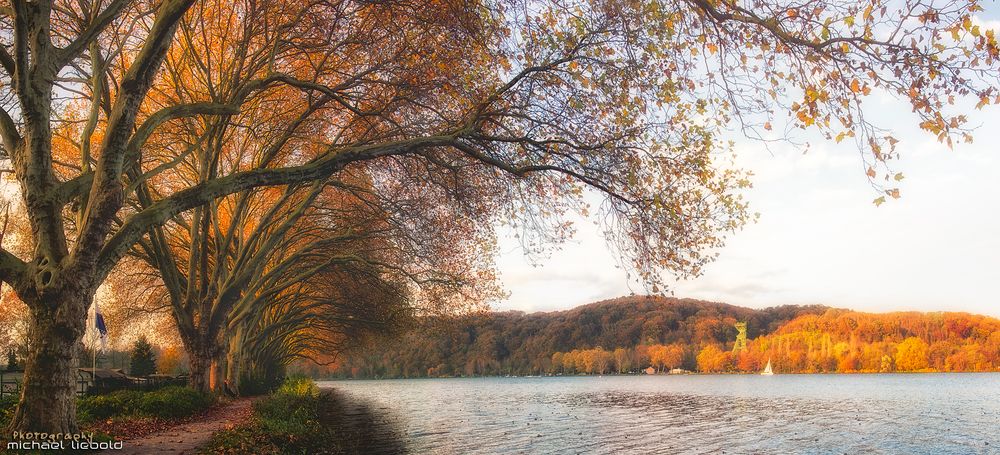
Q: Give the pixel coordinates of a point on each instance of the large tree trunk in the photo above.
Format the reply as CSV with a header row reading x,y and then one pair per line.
x,y
203,358
48,393
234,359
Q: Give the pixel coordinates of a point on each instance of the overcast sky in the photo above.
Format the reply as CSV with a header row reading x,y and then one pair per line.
x,y
819,238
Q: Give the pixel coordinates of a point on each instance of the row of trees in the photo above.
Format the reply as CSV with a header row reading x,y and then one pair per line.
x,y
518,343
285,177
621,360
815,340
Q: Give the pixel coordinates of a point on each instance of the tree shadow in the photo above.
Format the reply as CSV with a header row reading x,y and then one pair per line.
x,y
362,428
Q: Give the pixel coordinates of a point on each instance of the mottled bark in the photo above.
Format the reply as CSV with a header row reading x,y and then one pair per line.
x,y
48,394
57,284
203,357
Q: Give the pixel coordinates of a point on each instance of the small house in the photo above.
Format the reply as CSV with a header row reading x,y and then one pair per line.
x,y
100,380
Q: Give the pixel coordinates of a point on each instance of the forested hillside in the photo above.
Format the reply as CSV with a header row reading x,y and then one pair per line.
x,y
519,343
632,333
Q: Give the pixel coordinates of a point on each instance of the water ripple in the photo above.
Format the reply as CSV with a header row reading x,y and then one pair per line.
x,y
887,414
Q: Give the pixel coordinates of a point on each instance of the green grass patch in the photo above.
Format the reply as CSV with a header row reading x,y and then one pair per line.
x,y
286,422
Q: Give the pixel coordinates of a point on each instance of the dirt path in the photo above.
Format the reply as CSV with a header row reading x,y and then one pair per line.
x,y
189,437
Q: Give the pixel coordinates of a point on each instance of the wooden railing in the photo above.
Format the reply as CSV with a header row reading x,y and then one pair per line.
x,y
10,383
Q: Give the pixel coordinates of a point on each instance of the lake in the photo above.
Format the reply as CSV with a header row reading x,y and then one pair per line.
x,y
877,413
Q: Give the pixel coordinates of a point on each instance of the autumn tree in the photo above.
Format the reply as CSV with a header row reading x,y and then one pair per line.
x,y
534,103
170,360
712,359
622,359
911,355
325,314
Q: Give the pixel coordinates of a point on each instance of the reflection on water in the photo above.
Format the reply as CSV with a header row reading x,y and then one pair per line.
x,y
925,413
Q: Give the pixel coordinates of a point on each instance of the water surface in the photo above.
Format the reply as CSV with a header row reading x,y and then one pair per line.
x,y
884,413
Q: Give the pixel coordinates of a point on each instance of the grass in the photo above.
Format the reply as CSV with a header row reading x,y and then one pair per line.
x,y
289,421
167,403
128,409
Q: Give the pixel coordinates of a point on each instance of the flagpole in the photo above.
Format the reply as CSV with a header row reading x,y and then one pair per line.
x,y
93,345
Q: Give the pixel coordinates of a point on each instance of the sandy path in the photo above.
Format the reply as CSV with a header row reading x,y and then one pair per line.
x,y
189,437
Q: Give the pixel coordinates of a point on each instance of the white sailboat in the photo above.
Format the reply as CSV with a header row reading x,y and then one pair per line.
x,y
767,370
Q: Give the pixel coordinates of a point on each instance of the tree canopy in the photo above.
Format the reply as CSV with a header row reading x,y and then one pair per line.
x,y
123,120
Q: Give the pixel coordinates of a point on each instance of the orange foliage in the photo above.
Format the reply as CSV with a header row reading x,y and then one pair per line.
x,y
848,341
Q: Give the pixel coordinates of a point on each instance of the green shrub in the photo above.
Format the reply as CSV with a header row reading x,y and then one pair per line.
x,y
168,402
173,402
299,386
120,403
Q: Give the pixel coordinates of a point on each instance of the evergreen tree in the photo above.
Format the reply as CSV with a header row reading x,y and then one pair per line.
x,y
143,360
11,360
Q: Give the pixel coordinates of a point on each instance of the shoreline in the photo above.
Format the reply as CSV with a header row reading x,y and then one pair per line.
x,y
853,373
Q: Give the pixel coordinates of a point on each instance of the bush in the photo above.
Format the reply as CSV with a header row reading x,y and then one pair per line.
x,y
7,406
168,402
173,402
122,402
299,386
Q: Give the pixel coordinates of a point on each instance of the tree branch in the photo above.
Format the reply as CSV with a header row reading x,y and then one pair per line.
x,y
7,61
101,22
8,130
12,268
161,211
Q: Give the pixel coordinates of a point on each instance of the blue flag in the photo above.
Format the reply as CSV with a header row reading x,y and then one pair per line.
x,y
101,328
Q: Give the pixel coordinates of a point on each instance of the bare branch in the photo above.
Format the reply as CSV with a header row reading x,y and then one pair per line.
x,y
102,21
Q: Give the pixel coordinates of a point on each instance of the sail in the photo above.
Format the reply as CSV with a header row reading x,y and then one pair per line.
x,y
767,370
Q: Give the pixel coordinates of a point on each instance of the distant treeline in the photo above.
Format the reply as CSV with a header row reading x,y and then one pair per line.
x,y
518,343
630,334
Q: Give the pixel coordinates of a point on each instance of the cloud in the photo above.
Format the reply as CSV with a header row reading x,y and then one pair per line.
x,y
820,239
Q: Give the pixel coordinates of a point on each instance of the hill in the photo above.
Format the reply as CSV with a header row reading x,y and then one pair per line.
x,y
518,343
631,333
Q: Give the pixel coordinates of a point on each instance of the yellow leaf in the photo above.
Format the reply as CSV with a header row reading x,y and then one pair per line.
x,y
879,201
855,86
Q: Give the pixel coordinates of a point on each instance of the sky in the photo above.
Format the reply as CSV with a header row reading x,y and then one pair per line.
x,y
820,239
